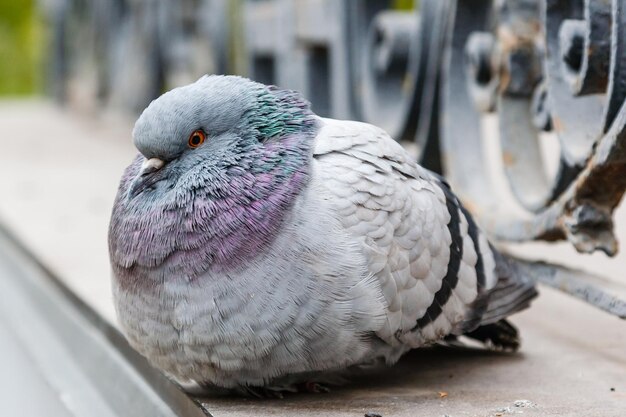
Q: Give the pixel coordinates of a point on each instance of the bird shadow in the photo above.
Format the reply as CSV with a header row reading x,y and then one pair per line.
x,y
419,375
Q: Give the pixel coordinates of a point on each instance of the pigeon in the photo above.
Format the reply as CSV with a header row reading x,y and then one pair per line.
x,y
256,245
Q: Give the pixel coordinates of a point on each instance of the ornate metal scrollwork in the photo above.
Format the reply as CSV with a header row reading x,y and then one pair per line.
x,y
397,72
543,67
540,69
449,75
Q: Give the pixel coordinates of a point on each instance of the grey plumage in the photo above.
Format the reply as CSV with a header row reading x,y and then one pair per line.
x,y
289,244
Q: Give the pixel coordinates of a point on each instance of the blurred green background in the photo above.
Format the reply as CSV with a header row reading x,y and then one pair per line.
x,y
21,49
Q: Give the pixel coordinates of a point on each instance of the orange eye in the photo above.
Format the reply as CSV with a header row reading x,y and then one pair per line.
x,y
196,138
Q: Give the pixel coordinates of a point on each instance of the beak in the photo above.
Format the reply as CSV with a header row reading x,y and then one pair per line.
x,y
146,176
151,165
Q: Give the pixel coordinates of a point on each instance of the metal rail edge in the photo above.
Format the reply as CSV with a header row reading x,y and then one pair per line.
x,y
83,358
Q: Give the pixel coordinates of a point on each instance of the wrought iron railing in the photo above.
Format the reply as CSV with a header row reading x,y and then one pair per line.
x,y
550,67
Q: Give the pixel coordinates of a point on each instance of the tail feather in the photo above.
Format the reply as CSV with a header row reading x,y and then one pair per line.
x,y
513,292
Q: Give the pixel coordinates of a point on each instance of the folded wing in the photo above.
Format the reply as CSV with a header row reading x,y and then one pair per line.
x,y
436,269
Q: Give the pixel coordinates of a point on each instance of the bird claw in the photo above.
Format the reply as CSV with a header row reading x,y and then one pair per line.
x,y
314,387
279,391
263,392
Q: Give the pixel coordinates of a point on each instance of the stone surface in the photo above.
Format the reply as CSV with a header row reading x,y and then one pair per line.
x,y
58,177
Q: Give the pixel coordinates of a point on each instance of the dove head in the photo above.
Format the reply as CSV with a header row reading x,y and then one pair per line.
x,y
215,119
221,162
220,106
